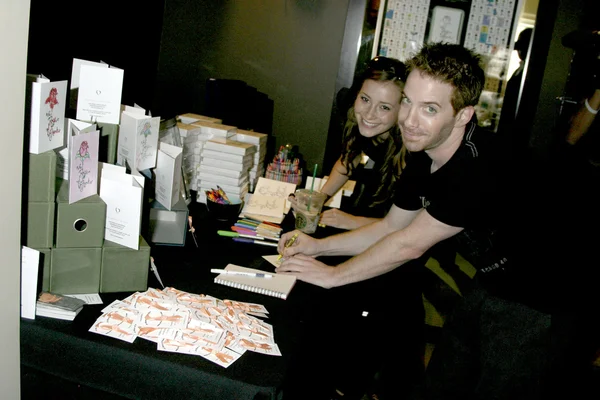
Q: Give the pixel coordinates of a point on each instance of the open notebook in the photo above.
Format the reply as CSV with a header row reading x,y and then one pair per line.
x,y
277,286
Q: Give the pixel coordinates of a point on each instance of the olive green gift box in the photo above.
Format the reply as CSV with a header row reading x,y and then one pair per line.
x,y
40,224
124,269
80,224
41,177
75,270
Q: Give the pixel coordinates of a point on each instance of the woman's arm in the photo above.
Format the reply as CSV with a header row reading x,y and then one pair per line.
x,y
339,219
584,118
337,177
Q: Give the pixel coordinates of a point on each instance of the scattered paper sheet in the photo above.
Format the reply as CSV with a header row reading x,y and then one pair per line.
x,y
220,331
274,259
89,298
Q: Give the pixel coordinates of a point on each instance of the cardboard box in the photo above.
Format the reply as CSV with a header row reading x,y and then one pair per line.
x,y
80,224
124,269
42,177
40,224
168,227
75,270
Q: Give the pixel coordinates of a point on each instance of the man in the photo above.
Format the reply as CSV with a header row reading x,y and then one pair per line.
x,y
447,189
442,88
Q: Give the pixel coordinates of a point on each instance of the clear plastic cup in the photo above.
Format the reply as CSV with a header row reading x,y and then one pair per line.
x,y
308,209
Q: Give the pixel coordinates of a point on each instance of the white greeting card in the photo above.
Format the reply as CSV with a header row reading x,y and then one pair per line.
x,y
99,97
62,159
138,140
46,109
274,188
123,195
30,262
83,164
168,174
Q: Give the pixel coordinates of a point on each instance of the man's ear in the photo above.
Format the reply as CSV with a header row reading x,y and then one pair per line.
x,y
463,117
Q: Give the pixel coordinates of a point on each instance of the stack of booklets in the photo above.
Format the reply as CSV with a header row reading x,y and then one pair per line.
x,y
259,140
194,134
225,163
192,140
215,130
190,118
54,305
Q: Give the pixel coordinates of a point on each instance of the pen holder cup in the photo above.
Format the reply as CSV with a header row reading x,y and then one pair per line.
x,y
225,212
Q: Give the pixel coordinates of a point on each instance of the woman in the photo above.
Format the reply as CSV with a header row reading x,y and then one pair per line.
x,y
371,129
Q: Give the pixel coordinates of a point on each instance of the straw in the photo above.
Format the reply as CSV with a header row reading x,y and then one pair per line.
x,y
312,186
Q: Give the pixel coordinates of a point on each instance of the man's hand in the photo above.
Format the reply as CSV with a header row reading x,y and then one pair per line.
x,y
303,244
309,270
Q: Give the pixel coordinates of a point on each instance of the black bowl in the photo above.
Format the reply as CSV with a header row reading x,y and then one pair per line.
x,y
225,212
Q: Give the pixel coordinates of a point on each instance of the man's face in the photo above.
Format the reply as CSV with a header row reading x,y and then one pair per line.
x,y
426,116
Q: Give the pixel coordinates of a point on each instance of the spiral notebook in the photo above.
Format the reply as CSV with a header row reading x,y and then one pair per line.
x,y
278,286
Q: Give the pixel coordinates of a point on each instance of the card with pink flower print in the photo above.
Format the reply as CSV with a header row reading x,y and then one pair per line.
x,y
46,109
83,165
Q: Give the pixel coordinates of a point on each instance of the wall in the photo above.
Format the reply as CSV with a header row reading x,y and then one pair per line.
x,y
289,50
125,37
14,22
545,111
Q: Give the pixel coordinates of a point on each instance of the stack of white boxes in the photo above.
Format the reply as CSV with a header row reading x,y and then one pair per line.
x,y
259,140
225,163
192,140
195,130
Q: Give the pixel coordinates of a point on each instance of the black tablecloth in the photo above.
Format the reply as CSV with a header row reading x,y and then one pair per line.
x,y
138,370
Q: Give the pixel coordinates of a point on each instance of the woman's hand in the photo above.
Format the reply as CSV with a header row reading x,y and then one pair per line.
x,y
339,219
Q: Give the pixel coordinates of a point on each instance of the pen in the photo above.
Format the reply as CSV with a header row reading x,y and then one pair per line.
x,y
155,270
243,273
288,244
255,241
244,235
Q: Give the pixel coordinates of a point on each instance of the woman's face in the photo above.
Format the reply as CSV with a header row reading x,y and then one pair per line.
x,y
376,107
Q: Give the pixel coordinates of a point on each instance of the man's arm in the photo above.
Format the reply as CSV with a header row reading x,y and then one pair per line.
x,y
381,246
358,240
395,249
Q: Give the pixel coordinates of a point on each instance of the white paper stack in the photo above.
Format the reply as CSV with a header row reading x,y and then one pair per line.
x,y
193,140
189,118
225,163
216,130
259,140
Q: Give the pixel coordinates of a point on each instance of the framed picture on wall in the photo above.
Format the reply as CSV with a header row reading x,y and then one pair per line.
x,y
446,25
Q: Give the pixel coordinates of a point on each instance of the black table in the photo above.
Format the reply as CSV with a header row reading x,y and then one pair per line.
x,y
138,370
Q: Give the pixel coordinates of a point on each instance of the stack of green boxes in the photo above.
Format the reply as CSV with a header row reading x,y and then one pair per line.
x,y
71,237
41,207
